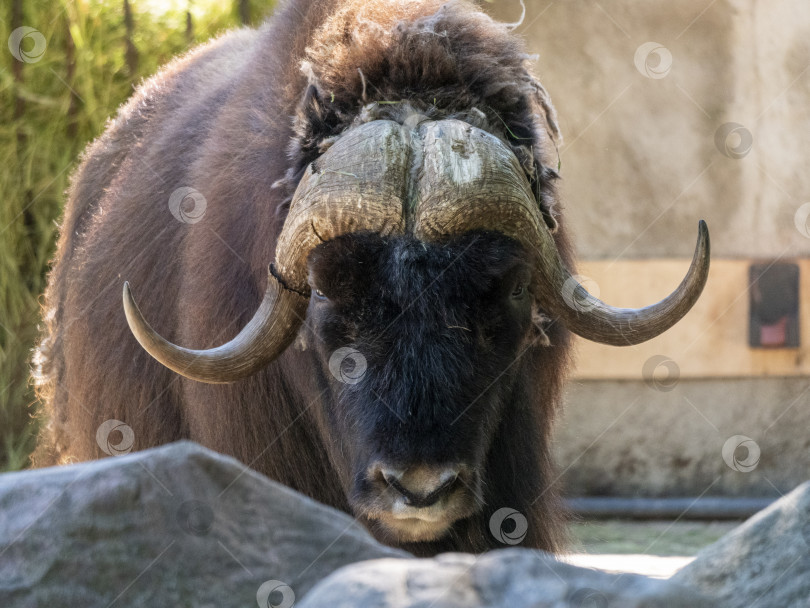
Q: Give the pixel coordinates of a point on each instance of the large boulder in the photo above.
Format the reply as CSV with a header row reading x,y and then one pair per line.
x,y
183,526
174,526
517,578
763,563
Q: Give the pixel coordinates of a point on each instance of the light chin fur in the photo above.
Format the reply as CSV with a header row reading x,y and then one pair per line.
x,y
412,529
394,521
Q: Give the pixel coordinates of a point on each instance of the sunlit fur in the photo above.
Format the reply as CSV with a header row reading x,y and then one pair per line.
x,y
238,120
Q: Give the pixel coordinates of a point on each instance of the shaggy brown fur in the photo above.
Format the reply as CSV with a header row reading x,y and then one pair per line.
x,y
239,119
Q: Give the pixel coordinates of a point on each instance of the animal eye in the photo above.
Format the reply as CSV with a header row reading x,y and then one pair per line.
x,y
319,294
518,290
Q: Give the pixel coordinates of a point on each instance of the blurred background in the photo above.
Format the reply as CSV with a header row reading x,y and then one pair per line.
x,y
61,78
671,113
674,112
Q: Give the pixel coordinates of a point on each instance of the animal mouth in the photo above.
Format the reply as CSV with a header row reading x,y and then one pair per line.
x,y
404,512
402,520
409,524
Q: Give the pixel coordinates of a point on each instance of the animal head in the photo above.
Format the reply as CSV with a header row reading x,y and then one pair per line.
x,y
415,346
419,259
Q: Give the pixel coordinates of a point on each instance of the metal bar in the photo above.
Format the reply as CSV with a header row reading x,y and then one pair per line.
x,y
602,507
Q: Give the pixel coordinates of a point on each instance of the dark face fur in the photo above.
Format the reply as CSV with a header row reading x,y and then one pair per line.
x,y
428,336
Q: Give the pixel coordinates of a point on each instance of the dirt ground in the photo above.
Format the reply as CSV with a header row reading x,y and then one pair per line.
x,y
654,548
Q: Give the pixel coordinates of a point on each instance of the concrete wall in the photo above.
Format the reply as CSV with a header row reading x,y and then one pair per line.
x,y
650,149
639,162
626,438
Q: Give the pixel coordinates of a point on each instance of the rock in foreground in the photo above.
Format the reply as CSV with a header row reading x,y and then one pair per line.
x,y
517,578
763,563
175,526
183,526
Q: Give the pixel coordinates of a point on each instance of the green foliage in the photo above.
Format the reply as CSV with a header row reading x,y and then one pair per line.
x,y
50,108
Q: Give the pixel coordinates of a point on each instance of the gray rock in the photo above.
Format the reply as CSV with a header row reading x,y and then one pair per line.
x,y
174,526
513,578
183,526
763,563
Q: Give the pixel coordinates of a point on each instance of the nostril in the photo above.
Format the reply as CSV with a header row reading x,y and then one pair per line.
x,y
449,482
391,476
421,486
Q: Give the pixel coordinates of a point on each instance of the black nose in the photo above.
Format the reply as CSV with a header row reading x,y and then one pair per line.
x,y
421,486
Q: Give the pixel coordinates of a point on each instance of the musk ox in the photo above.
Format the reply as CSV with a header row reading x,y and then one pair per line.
x,y
351,269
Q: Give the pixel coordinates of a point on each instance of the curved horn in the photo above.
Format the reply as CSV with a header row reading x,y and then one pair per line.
x,y
362,192
463,163
268,333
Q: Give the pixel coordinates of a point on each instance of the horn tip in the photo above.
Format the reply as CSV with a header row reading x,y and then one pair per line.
x,y
128,299
703,236
131,310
